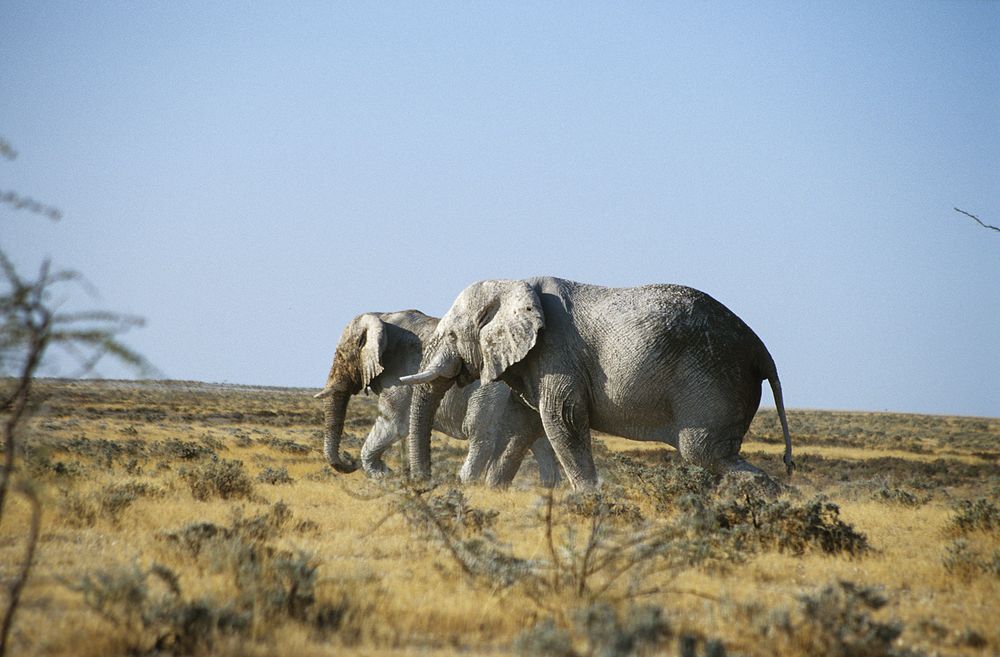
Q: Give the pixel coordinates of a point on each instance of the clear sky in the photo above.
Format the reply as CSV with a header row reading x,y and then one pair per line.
x,y
249,176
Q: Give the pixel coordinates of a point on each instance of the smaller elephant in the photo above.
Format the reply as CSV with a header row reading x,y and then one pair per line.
x,y
374,351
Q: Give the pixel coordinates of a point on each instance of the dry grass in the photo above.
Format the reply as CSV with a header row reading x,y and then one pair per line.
x,y
194,519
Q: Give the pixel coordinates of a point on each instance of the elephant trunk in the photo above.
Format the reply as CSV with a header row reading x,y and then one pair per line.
x,y
426,399
334,411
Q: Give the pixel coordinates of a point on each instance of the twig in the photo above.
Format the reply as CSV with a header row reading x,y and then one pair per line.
x,y
556,564
17,586
595,529
978,221
664,589
378,524
17,403
446,538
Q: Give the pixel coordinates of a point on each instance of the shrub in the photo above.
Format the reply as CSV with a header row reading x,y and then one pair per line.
x,y
833,621
461,529
663,482
977,515
274,476
76,510
450,511
194,538
602,502
604,632
966,563
268,587
183,450
791,528
150,610
285,445
544,640
899,496
225,478
115,498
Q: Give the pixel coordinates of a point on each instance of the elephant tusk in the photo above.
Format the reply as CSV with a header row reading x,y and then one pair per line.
x,y
445,368
325,393
420,377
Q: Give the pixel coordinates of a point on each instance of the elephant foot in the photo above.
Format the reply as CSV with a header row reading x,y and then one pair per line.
x,y
742,479
495,478
466,475
375,468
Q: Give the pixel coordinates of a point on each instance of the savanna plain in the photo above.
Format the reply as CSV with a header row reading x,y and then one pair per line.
x,y
196,519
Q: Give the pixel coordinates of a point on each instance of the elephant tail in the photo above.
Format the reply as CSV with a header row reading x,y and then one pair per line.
x,y
770,372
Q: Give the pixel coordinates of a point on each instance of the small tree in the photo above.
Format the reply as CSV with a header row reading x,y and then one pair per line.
x,y
31,322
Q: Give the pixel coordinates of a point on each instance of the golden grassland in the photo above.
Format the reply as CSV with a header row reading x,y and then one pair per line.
x,y
185,518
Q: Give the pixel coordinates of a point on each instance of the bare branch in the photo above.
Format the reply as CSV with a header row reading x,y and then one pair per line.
x,y
17,586
31,205
550,499
978,221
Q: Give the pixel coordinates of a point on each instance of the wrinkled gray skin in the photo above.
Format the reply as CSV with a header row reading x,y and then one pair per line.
x,y
656,363
378,348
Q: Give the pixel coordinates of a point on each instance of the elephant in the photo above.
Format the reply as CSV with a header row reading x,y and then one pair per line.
x,y
663,363
374,351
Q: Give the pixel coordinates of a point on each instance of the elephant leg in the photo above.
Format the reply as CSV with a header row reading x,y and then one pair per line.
x,y
718,450
548,469
382,435
480,453
501,472
566,420
714,448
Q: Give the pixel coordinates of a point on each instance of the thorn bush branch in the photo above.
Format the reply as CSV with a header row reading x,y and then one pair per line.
x,y
17,586
977,219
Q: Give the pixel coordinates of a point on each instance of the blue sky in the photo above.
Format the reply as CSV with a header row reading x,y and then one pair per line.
x,y
248,177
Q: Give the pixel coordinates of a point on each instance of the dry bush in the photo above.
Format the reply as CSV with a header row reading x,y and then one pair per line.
x,y
662,477
834,621
150,613
83,509
980,515
266,588
225,478
899,497
963,561
274,476
598,630
788,527
284,445
609,501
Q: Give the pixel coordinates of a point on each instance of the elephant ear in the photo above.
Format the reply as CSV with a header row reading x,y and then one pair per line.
x,y
371,347
508,327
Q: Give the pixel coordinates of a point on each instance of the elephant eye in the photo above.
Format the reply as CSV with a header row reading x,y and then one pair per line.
x,y
452,336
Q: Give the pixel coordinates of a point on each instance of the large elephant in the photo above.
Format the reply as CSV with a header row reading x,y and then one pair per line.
x,y
656,363
375,350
